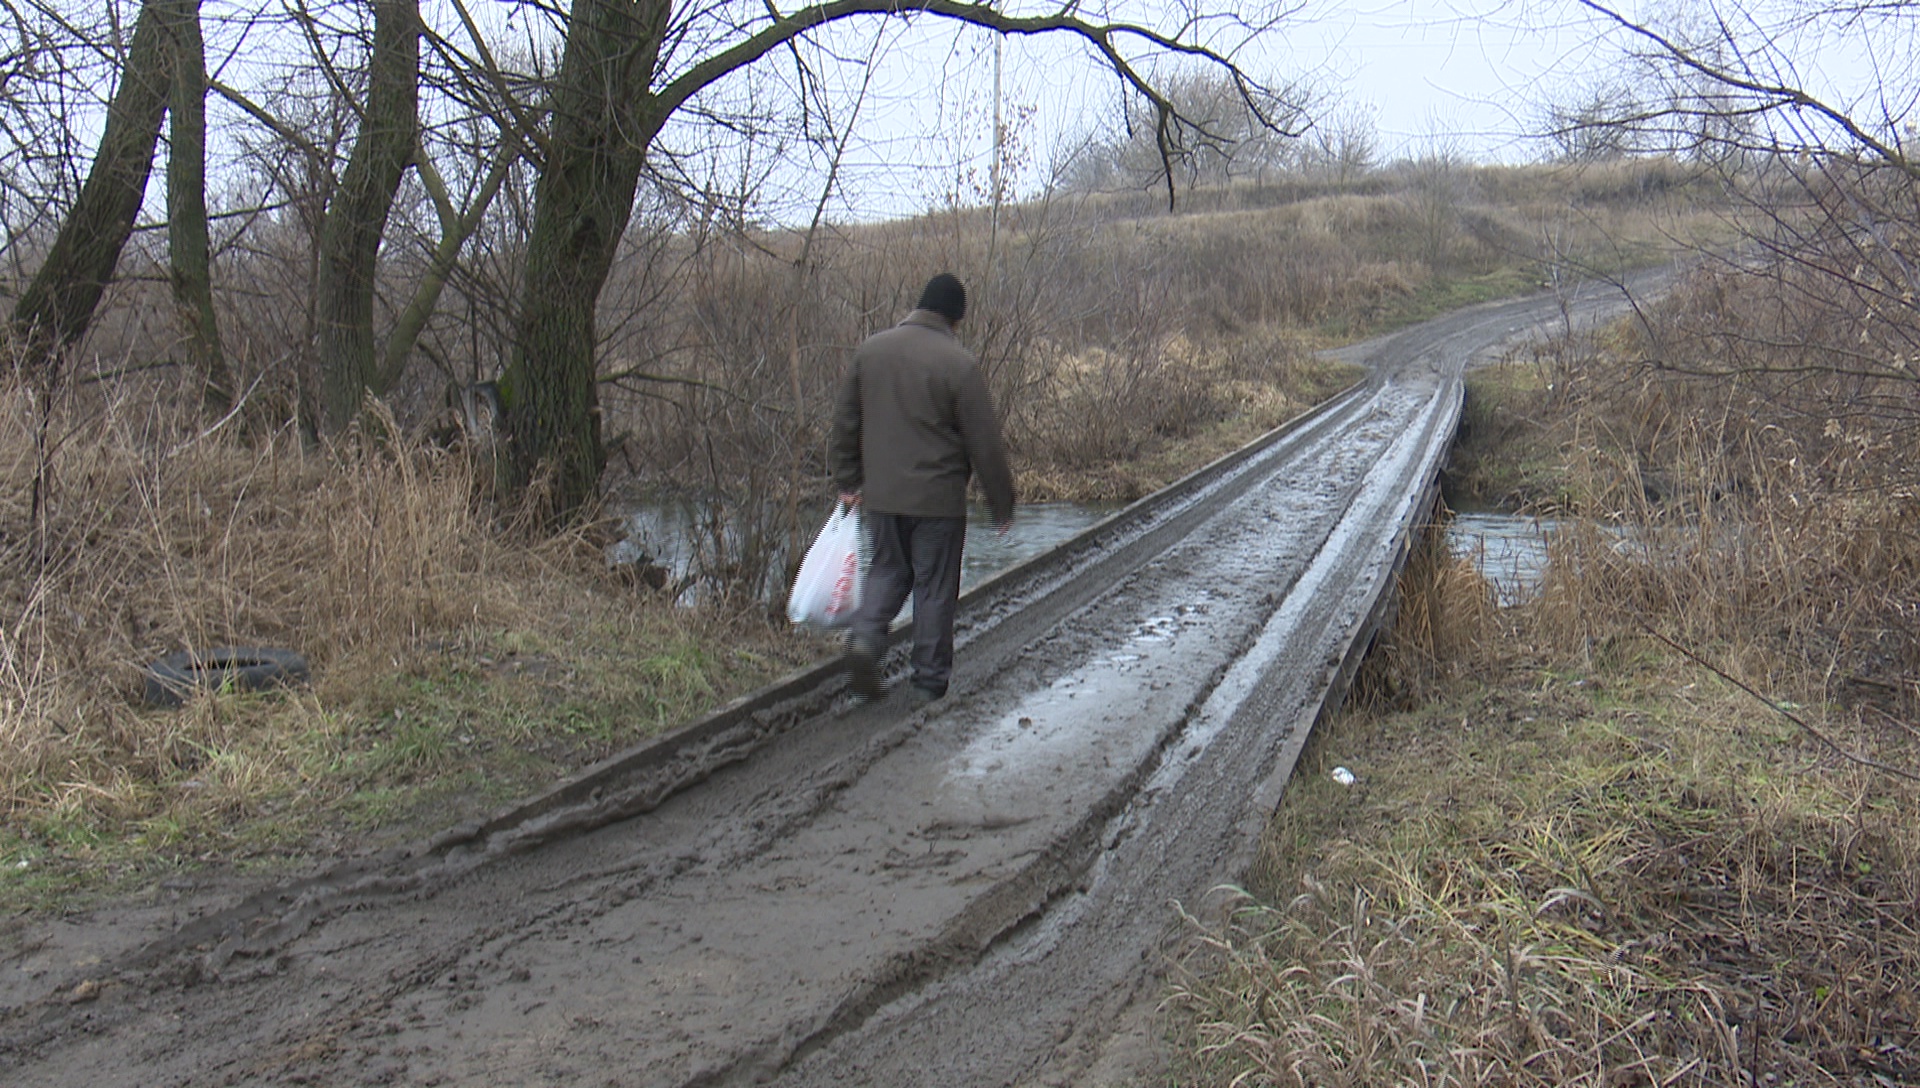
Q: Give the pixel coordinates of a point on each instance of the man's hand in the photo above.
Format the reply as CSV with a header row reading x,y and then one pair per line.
x,y
1003,527
849,498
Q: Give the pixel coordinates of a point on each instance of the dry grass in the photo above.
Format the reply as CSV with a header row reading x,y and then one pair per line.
x,y
454,661
1106,326
1629,873
1769,505
1117,427
1653,827
152,537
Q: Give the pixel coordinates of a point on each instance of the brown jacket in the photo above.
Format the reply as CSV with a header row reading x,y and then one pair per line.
x,y
913,422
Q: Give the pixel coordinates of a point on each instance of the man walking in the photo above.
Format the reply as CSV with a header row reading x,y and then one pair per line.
x,y
912,424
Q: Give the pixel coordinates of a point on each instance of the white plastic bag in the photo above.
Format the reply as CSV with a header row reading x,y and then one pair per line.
x,y
827,590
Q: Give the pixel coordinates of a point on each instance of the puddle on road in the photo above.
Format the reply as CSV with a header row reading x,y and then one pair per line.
x,y
1064,736
1042,729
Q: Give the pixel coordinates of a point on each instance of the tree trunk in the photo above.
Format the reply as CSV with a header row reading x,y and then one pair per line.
x,y
57,306
604,117
357,214
605,114
189,261
455,228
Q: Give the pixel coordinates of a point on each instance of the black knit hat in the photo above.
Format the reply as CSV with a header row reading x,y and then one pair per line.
x,y
945,295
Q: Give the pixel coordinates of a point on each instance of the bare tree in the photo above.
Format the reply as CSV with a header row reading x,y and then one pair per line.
x,y
1342,145
622,77
1438,187
1819,310
189,260
544,164
1730,91
1596,126
1728,84
357,213
58,303
42,74
1235,137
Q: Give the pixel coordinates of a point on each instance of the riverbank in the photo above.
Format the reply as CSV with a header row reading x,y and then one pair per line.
x,y
457,664
1559,870
459,659
1652,825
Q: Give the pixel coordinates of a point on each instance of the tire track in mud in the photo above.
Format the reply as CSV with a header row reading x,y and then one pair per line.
x,y
1178,829
799,891
893,948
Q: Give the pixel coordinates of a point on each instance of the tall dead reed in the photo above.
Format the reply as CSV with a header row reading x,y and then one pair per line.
x,y
1586,858
1444,621
132,529
1553,871
1766,490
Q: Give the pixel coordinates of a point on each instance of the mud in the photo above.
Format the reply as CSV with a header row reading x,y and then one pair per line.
x,y
802,891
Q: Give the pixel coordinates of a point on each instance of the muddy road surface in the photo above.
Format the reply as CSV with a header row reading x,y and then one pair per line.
x,y
801,891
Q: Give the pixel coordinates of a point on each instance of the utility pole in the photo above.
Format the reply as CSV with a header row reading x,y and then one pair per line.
x,y
993,173
999,125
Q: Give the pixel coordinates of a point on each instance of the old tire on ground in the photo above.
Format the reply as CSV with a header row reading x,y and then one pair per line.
x,y
245,668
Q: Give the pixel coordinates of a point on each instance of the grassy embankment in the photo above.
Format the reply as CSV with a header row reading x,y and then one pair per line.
x,y
459,664
1658,825
456,664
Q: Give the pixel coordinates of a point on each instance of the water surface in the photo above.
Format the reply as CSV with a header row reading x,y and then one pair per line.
x,y
1036,528
1510,550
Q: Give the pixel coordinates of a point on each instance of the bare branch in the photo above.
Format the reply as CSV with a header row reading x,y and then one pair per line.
x,y
293,136
1828,742
1775,96
1104,38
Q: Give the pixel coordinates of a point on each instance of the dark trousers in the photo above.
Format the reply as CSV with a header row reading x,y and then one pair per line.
x,y
920,556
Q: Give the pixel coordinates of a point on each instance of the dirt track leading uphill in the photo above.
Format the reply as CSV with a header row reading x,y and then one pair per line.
x,y
804,892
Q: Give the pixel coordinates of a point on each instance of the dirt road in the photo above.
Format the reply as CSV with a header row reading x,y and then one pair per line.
x,y
801,891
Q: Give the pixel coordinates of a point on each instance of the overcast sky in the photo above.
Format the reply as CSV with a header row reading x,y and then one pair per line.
x,y
1472,74
1473,71
1475,77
